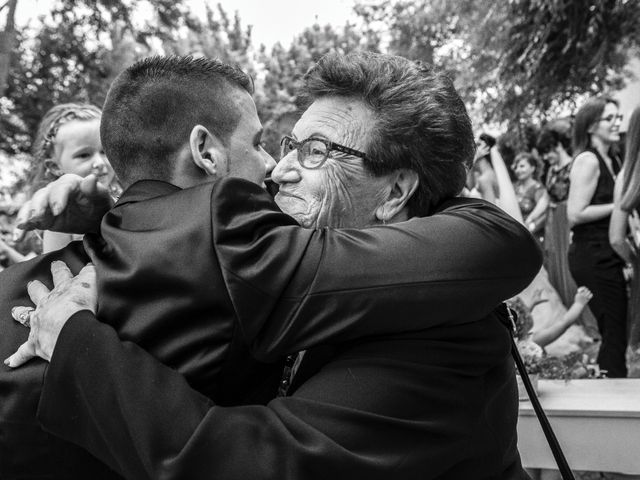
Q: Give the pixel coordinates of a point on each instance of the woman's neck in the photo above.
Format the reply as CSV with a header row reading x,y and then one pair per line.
x,y
526,182
601,146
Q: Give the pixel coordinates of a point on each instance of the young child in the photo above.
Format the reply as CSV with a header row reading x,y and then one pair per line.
x,y
547,335
551,333
68,141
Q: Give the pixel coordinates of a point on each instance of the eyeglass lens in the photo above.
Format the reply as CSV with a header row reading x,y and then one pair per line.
x,y
312,153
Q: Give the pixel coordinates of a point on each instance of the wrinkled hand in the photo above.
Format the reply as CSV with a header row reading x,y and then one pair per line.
x,y
53,308
71,204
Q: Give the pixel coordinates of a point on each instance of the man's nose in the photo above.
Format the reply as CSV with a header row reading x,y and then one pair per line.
x,y
286,170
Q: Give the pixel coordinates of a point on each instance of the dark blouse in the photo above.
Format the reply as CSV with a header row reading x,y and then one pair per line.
x,y
599,229
558,182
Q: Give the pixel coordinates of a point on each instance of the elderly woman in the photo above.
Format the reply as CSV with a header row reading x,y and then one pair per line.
x,y
592,261
533,199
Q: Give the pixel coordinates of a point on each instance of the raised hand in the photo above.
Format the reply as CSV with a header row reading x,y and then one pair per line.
x,y
71,204
583,296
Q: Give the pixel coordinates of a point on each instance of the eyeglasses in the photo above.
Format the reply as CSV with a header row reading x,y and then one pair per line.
x,y
611,117
314,151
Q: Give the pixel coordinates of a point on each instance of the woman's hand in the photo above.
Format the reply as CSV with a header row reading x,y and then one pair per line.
x,y
53,308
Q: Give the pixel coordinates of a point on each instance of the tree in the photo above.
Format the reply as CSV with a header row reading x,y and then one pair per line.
x,y
7,41
74,54
514,61
558,49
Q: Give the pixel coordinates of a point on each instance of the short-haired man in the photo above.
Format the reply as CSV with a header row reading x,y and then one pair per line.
x,y
410,393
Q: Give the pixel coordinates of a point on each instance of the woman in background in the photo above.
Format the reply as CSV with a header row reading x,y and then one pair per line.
x,y
554,145
532,196
592,261
624,228
68,141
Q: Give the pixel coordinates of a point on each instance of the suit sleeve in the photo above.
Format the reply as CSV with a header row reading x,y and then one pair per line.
x,y
364,417
293,288
143,420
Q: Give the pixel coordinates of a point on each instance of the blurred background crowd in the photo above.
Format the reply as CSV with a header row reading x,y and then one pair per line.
x,y
549,85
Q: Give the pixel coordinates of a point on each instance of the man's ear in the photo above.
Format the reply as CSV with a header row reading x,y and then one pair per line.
x,y
207,151
404,184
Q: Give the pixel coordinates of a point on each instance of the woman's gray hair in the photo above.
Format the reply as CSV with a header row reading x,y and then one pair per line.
x,y
421,122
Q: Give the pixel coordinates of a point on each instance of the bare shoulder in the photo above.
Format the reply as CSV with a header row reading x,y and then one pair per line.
x,y
586,161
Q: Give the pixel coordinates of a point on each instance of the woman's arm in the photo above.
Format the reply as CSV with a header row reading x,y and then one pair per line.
x,y
508,200
327,285
584,179
538,214
550,334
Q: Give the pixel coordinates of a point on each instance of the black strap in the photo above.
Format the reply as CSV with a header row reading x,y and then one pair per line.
x,y
561,460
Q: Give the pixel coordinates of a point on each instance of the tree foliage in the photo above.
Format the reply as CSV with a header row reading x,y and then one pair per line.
x,y
518,60
74,54
555,50
511,61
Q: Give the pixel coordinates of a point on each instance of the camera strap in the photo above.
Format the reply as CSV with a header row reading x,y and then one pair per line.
x,y
508,317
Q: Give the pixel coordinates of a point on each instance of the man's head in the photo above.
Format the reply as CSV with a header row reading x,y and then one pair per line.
x,y
554,139
183,120
408,126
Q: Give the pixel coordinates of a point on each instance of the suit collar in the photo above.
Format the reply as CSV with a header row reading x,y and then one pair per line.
x,y
146,190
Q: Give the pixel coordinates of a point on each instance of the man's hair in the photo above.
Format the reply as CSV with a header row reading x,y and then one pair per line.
x,y
153,105
554,133
420,121
588,115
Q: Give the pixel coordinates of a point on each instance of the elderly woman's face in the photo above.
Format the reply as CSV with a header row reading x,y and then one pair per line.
x,y
341,192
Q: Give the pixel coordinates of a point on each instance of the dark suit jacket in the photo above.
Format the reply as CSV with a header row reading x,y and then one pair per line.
x,y
415,385
25,450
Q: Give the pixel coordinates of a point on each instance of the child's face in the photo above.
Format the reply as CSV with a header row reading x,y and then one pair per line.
x,y
78,150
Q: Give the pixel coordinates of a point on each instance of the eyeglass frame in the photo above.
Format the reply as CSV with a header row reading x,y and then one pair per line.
x,y
328,143
612,117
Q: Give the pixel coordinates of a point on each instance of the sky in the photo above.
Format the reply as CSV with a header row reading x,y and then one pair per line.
x,y
281,20
272,20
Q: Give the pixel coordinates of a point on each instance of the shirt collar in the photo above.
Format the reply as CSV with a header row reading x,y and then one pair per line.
x,y
146,190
